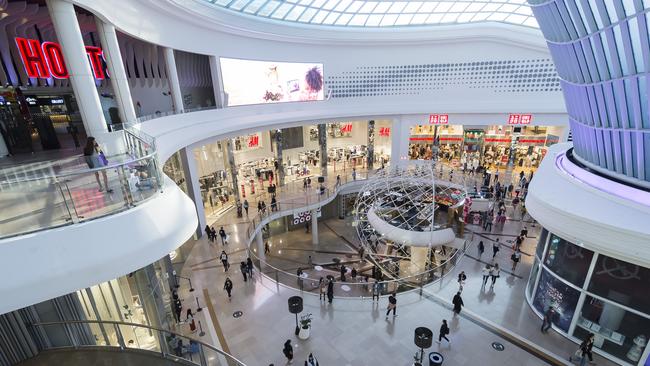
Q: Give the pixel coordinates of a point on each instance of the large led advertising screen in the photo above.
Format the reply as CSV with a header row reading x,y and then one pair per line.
x,y
258,82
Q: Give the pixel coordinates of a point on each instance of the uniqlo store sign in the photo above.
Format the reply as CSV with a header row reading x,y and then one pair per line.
x,y
45,60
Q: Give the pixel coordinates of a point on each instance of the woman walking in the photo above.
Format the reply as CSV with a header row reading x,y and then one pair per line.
x,y
481,248
228,287
458,303
322,289
288,351
495,273
95,159
486,274
515,257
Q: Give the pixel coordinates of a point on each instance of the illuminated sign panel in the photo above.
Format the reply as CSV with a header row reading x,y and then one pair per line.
x,y
438,119
520,119
45,60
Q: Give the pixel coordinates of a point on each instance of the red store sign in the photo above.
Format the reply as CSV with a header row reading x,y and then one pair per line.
x,y
520,119
346,128
45,60
253,141
438,119
384,131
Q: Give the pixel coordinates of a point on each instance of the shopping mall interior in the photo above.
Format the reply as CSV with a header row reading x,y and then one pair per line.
x,y
325,182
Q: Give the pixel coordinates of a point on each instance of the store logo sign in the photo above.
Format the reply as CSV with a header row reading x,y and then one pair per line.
x,y
438,119
45,60
384,131
346,128
520,119
253,141
31,100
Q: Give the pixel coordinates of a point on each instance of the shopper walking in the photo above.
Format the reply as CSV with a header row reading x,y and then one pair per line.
x,y
228,287
495,248
95,159
486,274
259,206
224,259
246,207
354,173
267,248
208,233
458,303
515,257
189,318
392,305
462,277
322,289
375,291
330,291
338,181
343,271
547,321
288,351
481,248
222,234
495,273
249,266
242,268
444,330
584,351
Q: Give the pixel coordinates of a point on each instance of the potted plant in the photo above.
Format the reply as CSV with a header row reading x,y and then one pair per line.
x,y
305,326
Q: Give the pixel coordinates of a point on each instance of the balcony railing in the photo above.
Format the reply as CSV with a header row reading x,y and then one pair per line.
x,y
124,337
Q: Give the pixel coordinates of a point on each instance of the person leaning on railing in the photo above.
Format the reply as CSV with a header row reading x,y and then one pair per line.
x,y
95,159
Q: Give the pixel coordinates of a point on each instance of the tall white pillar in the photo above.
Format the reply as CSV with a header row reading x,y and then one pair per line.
x,y
399,143
217,85
314,227
172,78
82,79
119,81
191,173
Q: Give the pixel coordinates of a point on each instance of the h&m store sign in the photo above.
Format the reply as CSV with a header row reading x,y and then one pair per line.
x,y
45,60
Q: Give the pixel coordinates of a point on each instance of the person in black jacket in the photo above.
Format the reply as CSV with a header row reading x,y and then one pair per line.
x,y
288,351
481,248
444,330
458,303
392,305
330,291
228,287
244,270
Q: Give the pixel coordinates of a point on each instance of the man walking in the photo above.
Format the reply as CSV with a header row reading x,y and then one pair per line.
x,y
224,259
246,207
495,248
444,330
375,291
547,322
222,234
458,303
392,305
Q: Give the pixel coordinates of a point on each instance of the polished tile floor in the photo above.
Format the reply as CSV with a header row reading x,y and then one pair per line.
x,y
97,358
354,331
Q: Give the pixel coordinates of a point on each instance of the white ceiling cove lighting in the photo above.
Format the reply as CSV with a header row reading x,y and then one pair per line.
x,y
384,14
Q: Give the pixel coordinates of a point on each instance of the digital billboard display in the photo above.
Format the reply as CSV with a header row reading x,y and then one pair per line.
x,y
258,82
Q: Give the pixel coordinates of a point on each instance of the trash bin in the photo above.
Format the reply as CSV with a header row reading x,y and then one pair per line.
x,y
435,359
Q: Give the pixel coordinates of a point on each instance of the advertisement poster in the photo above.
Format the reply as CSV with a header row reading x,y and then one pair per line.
x,y
258,82
555,293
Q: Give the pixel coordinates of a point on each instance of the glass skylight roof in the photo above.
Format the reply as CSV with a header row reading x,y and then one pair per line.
x,y
362,13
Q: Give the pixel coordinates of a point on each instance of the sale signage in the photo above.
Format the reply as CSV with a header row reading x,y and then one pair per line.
x,y
45,60
438,119
520,119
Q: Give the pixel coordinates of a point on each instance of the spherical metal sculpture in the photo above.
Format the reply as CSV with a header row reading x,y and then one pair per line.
x,y
402,218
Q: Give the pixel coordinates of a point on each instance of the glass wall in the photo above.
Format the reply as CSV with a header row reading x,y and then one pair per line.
x,y
592,293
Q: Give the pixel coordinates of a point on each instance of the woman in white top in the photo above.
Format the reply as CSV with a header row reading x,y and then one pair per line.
x,y
94,161
495,273
486,274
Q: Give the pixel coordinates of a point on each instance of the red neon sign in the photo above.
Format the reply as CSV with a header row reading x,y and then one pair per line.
x,y
520,119
438,119
346,128
384,131
253,141
45,60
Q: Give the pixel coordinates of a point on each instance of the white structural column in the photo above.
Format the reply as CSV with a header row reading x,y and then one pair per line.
x,y
172,78
119,81
399,143
82,79
215,73
191,173
260,246
314,227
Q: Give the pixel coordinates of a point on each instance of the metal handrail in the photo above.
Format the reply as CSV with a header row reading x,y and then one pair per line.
x,y
122,345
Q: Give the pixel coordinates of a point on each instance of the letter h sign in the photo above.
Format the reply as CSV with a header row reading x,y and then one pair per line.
x,y
46,60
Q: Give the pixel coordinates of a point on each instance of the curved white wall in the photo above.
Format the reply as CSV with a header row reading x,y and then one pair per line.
x,y
51,263
588,216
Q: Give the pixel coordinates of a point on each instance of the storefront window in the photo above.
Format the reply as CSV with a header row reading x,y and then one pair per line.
x,y
567,260
622,282
541,243
562,297
533,276
618,332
